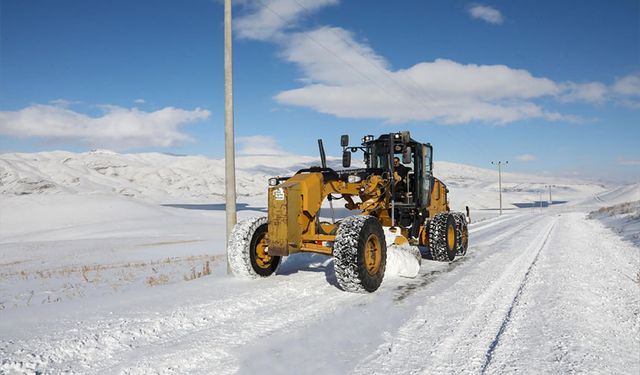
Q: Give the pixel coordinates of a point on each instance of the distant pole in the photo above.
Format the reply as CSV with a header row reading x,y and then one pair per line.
x,y
229,150
499,164
550,199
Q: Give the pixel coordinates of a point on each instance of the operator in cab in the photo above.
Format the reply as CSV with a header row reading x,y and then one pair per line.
x,y
400,173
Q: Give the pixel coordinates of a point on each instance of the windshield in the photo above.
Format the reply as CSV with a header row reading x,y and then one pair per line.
x,y
426,175
427,159
379,156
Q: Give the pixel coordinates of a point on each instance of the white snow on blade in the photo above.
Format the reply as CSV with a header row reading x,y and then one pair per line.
x,y
402,260
115,263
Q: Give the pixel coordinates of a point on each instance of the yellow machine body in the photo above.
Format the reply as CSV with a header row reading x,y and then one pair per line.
x,y
294,207
395,200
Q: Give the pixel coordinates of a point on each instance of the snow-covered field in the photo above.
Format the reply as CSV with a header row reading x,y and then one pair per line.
x,y
114,263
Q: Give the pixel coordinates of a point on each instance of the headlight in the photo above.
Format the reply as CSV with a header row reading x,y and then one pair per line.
x,y
273,181
367,138
352,179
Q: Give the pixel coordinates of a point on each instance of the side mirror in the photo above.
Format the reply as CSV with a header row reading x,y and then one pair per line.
x,y
344,141
406,155
406,137
346,159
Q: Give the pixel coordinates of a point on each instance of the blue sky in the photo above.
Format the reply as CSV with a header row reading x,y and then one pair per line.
x,y
551,86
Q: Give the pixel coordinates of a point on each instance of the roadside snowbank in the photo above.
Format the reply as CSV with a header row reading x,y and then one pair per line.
x,y
624,218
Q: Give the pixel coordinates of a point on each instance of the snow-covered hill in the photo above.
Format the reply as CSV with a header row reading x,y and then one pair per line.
x,y
168,178
150,176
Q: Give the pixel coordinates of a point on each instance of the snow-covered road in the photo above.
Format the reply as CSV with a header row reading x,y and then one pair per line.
x,y
537,293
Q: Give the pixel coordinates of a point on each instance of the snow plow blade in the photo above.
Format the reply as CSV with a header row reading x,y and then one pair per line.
x,y
403,261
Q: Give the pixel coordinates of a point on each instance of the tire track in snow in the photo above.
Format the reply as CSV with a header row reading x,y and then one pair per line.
x,y
514,303
579,311
477,330
472,255
482,226
456,340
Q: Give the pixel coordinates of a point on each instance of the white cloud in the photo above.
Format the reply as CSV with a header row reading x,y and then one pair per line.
x,y
627,162
628,85
117,128
353,81
139,101
259,145
347,78
525,157
593,92
627,90
272,17
331,55
486,13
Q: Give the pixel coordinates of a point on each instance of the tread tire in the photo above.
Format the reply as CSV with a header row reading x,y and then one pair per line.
x,y
241,249
439,235
349,254
462,232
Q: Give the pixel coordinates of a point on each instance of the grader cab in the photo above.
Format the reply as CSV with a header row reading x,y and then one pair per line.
x,y
397,202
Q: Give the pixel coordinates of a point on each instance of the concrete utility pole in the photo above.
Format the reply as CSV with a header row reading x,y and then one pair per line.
x,y
229,149
550,199
499,164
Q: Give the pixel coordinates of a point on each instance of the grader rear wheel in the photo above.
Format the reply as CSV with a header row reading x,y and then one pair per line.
x,y
443,237
463,233
360,254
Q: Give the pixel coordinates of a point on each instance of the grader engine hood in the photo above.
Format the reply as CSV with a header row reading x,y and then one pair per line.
x,y
293,205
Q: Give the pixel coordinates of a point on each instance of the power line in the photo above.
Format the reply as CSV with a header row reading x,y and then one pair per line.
x,y
306,34
383,71
415,85
386,73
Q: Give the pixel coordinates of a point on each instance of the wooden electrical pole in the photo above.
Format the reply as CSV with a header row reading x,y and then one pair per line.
x,y
499,164
229,149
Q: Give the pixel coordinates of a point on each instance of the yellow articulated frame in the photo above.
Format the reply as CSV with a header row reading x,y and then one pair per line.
x,y
295,203
294,206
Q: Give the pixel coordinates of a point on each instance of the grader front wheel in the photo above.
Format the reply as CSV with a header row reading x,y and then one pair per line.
x,y
360,254
247,249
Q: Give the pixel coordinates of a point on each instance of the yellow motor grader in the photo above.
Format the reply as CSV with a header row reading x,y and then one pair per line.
x,y
404,200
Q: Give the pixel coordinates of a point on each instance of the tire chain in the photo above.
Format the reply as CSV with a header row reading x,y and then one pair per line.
x,y
239,244
461,226
345,254
438,237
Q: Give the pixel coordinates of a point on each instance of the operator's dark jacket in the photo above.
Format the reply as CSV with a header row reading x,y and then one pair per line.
x,y
401,186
